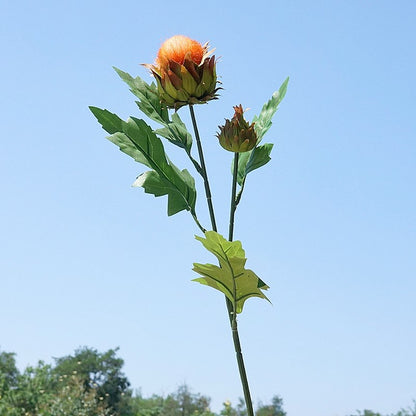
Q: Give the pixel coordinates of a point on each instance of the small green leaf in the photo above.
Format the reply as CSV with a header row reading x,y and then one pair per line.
x,y
230,277
249,161
176,132
150,104
264,120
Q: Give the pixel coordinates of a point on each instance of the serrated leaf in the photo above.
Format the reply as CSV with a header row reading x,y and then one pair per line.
x,y
128,147
264,120
230,277
137,140
174,130
111,122
149,98
152,183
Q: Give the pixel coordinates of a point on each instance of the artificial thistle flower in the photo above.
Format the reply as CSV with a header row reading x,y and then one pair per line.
x,y
237,135
185,72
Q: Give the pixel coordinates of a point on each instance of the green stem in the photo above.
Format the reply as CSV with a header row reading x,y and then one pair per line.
x,y
197,221
233,204
231,308
204,170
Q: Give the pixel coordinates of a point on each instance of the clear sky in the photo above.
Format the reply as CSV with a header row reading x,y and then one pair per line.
x,y
329,224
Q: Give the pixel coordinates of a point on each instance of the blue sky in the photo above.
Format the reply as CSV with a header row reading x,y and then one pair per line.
x,y
329,224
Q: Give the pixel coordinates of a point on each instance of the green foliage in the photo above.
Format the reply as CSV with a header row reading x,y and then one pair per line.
x,y
185,403
409,411
249,161
32,390
73,399
135,138
87,383
180,403
100,372
150,104
367,412
273,409
260,155
228,409
8,371
83,384
230,278
264,119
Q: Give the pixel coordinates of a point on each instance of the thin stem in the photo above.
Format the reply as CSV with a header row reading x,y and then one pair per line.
x,y
233,204
197,221
231,308
204,170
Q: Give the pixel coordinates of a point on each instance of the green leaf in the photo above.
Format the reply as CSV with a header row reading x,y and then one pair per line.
x,y
155,184
111,122
230,277
249,161
128,147
137,140
174,130
149,102
263,121
260,155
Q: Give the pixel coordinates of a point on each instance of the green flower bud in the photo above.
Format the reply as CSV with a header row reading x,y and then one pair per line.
x,y
237,135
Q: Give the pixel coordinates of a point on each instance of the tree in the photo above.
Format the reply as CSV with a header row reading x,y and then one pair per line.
x,y
273,409
180,403
99,371
189,403
410,411
73,399
32,389
228,409
151,406
8,371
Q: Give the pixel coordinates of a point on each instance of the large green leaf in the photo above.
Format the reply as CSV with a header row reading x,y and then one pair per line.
x,y
137,140
174,129
230,277
264,120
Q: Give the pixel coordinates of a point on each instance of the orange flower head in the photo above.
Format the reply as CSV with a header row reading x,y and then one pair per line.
x,y
177,48
185,72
